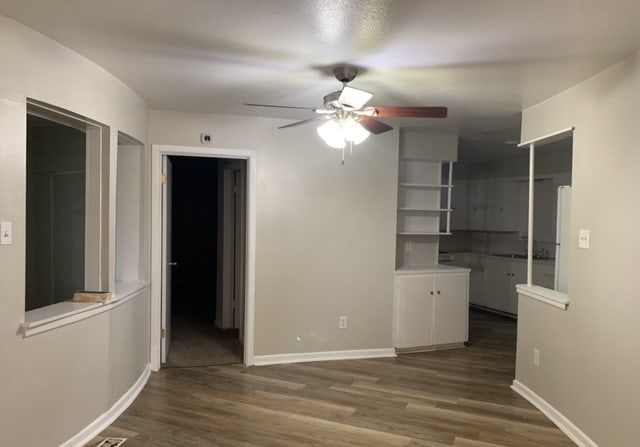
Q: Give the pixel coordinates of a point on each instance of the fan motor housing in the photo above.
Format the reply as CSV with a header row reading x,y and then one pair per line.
x,y
345,73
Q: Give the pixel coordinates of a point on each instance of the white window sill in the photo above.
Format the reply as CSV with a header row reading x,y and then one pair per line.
x,y
61,314
547,296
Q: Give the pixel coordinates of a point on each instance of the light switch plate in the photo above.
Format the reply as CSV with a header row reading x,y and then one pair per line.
x,y
6,233
584,238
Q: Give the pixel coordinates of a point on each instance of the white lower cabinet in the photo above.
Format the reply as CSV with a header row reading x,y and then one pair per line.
x,y
502,276
432,309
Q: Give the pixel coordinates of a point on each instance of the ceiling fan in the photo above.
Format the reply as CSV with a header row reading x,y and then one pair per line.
x,y
345,117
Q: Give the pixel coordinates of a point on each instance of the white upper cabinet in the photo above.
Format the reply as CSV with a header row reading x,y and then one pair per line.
x,y
502,199
477,205
459,205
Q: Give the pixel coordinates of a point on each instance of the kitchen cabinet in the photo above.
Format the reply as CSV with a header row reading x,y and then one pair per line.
x,y
477,205
431,308
459,205
502,205
502,275
477,282
450,308
492,205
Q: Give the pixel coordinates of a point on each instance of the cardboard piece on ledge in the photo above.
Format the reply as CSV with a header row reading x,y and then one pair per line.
x,y
89,296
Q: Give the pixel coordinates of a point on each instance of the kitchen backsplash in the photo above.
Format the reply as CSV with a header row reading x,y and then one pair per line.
x,y
491,242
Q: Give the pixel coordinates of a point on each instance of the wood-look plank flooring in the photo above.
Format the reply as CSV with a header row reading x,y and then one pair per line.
x,y
460,398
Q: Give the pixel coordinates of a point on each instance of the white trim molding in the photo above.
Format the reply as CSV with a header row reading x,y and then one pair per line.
x,y
157,152
548,296
548,138
107,418
261,360
564,424
68,312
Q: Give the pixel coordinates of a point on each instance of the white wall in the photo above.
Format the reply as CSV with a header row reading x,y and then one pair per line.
x,y
325,231
55,383
589,361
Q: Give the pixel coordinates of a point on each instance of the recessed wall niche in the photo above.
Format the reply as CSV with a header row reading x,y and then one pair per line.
x,y
129,207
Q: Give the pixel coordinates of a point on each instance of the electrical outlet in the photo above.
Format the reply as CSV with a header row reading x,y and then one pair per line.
x,y
206,138
536,357
342,322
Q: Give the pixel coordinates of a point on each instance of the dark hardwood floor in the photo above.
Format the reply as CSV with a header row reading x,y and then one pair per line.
x,y
459,397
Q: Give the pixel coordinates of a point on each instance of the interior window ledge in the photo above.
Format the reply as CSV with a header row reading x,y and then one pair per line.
x,y
61,314
548,296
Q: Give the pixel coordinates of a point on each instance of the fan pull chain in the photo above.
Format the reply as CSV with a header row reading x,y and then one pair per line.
x,y
342,157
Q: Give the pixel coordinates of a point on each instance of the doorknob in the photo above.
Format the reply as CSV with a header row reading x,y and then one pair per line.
x,y
173,264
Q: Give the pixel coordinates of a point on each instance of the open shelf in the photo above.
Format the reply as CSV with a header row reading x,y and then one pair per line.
x,y
424,210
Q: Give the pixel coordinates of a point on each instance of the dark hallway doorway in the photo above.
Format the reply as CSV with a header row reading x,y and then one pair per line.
x,y
195,286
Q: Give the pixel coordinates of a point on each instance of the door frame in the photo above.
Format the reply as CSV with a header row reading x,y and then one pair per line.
x,y
227,313
157,152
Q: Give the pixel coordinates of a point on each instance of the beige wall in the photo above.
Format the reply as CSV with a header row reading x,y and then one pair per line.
x,y
589,361
55,383
325,231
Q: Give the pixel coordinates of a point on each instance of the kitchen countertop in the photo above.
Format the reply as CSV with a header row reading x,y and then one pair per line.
x,y
435,268
512,256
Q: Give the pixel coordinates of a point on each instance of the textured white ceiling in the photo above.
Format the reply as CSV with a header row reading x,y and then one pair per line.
x,y
484,59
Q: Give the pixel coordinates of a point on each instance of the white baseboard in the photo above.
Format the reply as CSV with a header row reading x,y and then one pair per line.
x,y
564,424
107,418
260,360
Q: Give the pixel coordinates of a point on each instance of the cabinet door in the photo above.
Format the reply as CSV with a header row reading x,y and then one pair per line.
x,y
451,308
414,324
476,212
498,273
518,276
477,287
502,208
459,205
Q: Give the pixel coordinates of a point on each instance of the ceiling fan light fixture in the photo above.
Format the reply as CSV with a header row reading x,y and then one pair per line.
x,y
331,134
353,131
338,131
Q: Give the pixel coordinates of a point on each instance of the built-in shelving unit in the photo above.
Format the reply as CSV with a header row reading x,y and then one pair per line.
x,y
424,209
430,300
423,200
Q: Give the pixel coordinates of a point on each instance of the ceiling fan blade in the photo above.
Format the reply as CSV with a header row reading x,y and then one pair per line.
x,y
374,126
354,97
411,112
309,120
278,107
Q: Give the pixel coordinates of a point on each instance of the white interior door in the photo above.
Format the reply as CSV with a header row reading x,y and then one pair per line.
x,y
167,262
232,245
239,212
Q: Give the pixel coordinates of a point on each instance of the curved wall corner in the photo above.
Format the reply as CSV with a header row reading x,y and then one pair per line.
x,y
57,383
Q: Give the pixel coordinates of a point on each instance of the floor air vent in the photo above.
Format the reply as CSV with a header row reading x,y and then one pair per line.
x,y
112,442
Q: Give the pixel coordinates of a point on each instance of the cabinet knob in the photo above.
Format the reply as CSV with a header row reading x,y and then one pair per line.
x,y
431,292
438,292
